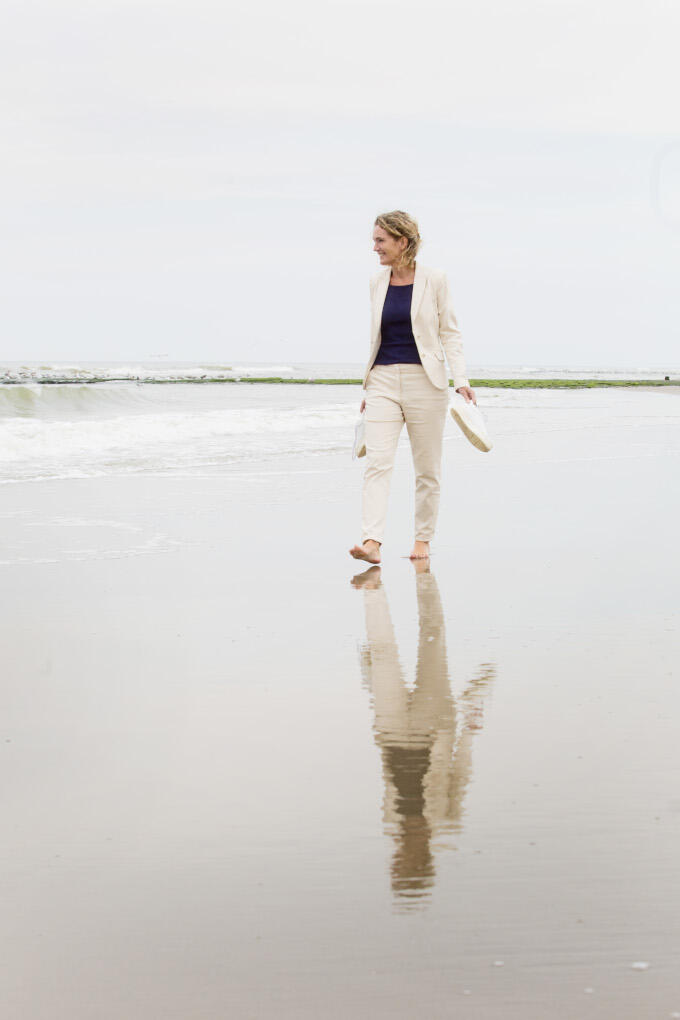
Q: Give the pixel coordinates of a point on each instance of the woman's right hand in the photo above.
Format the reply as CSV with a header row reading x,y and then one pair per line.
x,y
363,407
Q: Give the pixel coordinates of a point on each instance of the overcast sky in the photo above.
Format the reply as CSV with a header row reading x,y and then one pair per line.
x,y
199,179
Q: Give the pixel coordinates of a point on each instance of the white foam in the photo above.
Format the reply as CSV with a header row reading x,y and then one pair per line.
x,y
84,431
33,448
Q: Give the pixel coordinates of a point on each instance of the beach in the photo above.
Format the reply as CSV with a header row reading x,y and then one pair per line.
x,y
246,778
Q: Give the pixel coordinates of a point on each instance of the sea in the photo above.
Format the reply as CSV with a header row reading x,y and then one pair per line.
x,y
79,420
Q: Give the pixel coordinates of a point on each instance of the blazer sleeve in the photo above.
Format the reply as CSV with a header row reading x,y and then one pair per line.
x,y
449,334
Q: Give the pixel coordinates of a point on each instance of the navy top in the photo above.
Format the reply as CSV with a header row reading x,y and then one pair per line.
x,y
397,345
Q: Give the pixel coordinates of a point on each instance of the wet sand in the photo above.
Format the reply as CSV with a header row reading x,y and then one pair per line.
x,y
245,778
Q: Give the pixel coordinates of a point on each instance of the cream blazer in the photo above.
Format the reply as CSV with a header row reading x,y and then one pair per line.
x,y
433,321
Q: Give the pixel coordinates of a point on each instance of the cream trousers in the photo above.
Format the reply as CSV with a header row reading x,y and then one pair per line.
x,y
396,394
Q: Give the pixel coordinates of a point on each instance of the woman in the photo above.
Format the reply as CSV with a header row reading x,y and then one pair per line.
x,y
413,327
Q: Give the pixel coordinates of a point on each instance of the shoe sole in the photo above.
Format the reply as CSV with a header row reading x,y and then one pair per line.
x,y
476,440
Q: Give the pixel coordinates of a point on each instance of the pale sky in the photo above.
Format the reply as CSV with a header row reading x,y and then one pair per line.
x,y
199,180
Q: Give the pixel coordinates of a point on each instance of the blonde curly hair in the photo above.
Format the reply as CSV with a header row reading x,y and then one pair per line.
x,y
399,224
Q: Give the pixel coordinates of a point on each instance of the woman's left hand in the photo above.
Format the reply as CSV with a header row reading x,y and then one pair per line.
x,y
468,393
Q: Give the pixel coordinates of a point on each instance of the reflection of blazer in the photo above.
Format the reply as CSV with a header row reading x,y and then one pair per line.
x,y
433,321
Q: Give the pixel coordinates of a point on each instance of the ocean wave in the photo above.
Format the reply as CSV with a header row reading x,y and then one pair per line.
x,y
72,400
32,448
80,431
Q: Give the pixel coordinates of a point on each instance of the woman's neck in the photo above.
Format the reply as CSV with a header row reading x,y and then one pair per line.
x,y
403,275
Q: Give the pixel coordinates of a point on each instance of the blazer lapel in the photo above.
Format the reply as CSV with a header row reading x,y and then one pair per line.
x,y
379,295
419,282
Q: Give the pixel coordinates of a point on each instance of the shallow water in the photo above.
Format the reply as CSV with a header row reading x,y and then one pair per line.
x,y
244,777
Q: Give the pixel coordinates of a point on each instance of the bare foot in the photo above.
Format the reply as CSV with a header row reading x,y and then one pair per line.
x,y
421,550
369,551
369,579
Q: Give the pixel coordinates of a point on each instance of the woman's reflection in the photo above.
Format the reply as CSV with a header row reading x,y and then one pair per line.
x,y
426,752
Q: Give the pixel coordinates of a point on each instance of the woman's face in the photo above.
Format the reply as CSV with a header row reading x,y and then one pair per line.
x,y
388,248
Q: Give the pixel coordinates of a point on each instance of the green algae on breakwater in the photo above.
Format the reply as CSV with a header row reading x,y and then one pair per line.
x,y
506,384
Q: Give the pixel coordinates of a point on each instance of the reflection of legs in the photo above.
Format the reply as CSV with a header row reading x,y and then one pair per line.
x,y
432,707
381,446
432,695
390,695
432,674
425,415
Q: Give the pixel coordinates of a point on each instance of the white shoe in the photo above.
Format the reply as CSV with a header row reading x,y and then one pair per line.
x,y
469,418
359,448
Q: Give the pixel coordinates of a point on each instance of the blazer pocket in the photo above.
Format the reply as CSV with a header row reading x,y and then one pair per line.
x,y
439,354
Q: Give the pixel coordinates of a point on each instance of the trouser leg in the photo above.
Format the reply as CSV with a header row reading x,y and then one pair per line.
x,y
381,447
425,413
384,422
